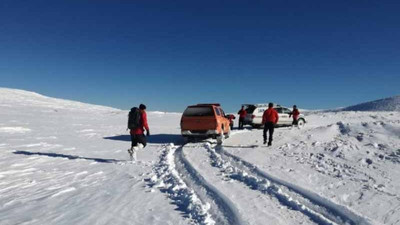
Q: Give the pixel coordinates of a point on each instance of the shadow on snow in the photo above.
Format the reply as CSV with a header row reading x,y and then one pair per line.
x,y
152,139
71,157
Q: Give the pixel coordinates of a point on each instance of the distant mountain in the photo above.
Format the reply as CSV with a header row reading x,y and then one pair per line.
x,y
387,104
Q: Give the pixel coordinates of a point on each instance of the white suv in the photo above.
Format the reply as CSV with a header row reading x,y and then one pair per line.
x,y
255,113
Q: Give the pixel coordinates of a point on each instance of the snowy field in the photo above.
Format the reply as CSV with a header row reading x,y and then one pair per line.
x,y
64,162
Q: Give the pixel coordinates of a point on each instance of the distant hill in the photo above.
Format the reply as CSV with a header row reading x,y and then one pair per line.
x,y
387,104
28,100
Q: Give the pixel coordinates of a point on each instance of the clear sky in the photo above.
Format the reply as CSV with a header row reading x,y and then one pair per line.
x,y
170,54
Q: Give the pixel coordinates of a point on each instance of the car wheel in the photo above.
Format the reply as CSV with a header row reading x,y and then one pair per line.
x,y
301,123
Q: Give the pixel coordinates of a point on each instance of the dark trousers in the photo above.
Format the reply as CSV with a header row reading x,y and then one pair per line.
x,y
295,122
241,121
138,138
268,126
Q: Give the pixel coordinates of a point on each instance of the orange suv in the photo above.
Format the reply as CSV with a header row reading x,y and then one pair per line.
x,y
205,120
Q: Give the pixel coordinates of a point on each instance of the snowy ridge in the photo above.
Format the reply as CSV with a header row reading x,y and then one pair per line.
x,y
12,98
317,209
164,113
19,98
387,104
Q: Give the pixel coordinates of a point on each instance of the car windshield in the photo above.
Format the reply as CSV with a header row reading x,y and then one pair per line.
x,y
199,111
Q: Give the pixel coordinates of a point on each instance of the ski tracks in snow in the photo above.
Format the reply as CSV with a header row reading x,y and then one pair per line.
x,y
317,209
192,194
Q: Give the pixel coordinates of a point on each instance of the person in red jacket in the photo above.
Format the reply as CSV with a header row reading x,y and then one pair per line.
x,y
270,119
137,134
242,114
231,118
295,113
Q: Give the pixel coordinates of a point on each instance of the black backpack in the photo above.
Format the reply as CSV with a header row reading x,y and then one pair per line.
x,y
134,120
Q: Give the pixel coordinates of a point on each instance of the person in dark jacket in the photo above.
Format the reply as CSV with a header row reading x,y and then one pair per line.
x,y
242,115
270,119
295,113
137,134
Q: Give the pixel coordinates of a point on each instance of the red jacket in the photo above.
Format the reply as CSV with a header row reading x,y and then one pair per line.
x,y
270,115
144,125
242,113
296,114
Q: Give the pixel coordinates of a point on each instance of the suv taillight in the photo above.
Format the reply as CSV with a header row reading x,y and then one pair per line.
x,y
253,116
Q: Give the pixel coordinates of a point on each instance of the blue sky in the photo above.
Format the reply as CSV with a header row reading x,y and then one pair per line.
x,y
170,54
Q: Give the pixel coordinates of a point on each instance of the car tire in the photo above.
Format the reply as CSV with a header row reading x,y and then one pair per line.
x,y
301,123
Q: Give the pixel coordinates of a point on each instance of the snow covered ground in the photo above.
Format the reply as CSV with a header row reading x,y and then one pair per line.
x,y
64,162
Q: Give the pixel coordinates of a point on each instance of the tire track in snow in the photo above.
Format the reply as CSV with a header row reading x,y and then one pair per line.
x,y
222,208
318,209
196,198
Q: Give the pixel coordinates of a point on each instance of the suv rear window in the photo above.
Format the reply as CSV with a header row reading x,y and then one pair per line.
x,y
199,111
250,109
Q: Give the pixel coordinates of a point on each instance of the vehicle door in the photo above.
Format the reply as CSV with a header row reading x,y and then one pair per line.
x,y
286,115
283,118
258,115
